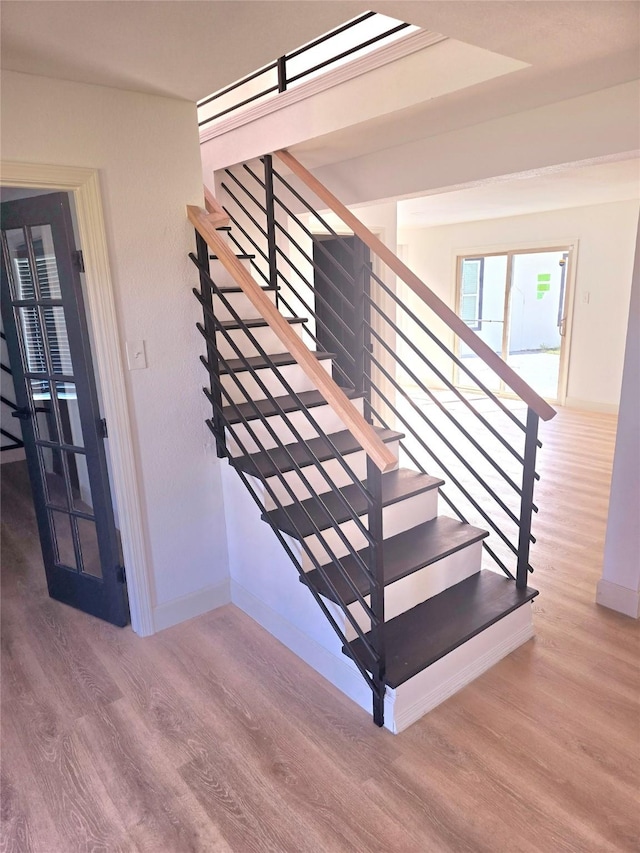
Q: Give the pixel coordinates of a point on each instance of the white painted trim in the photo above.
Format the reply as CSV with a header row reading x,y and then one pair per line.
x,y
188,606
503,637
620,598
591,406
376,59
85,185
336,668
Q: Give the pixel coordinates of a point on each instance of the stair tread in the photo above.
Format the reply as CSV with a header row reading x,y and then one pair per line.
x,y
286,402
259,323
266,464
241,256
396,485
403,554
235,288
279,359
419,637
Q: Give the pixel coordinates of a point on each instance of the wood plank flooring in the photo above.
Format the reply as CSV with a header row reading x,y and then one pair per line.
x,y
213,737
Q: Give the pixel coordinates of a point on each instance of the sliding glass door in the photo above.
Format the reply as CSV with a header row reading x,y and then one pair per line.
x,y
516,302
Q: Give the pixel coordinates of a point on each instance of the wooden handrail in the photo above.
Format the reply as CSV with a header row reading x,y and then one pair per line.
x,y
217,213
362,431
452,320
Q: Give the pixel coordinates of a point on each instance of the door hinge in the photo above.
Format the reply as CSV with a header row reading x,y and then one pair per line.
x,y
121,577
104,433
78,260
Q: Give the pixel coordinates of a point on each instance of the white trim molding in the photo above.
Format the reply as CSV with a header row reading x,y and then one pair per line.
x,y
85,185
187,606
405,46
619,598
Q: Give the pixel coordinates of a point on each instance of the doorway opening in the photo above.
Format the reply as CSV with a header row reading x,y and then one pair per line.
x,y
517,302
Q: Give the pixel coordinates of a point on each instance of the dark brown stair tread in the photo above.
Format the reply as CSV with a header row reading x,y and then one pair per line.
x,y
287,403
279,359
241,256
259,323
235,288
403,554
421,636
266,464
396,485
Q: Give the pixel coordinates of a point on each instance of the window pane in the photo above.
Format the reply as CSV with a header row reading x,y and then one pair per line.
x,y
79,480
63,538
89,546
44,419
69,413
51,465
46,266
18,262
32,339
58,341
468,309
470,276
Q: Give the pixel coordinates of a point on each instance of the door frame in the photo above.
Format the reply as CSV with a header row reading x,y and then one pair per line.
x,y
569,245
108,364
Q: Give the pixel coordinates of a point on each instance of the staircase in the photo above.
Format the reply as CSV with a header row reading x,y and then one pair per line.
x,y
350,459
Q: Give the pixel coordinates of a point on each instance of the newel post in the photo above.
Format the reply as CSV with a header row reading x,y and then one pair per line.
x,y
526,502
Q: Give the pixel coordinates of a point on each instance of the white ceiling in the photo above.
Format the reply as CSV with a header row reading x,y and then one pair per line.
x,y
189,48
178,48
575,187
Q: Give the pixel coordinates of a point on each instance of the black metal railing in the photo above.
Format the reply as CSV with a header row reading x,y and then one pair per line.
x,y
279,75
478,442
15,442
239,437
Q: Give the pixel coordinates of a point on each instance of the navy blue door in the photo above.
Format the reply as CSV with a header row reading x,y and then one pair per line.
x,y
48,342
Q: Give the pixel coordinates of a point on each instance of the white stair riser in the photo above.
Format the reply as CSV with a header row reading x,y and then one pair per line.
x,y
396,518
357,463
263,335
258,437
291,373
241,304
419,586
221,277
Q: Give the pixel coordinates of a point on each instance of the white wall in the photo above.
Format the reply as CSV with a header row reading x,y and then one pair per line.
x,y
516,143
606,241
620,584
429,73
146,149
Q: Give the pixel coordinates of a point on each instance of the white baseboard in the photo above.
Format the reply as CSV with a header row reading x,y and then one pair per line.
x,y
412,700
591,406
336,669
620,598
15,455
188,606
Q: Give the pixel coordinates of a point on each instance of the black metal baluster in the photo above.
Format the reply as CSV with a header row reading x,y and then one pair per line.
x,y
282,74
526,504
212,353
361,279
271,222
376,570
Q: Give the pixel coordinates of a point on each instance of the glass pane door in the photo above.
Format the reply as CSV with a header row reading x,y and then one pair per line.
x,y
48,343
482,289
536,310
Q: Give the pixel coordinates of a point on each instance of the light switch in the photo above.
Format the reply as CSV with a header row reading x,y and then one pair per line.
x,y
136,356
585,297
